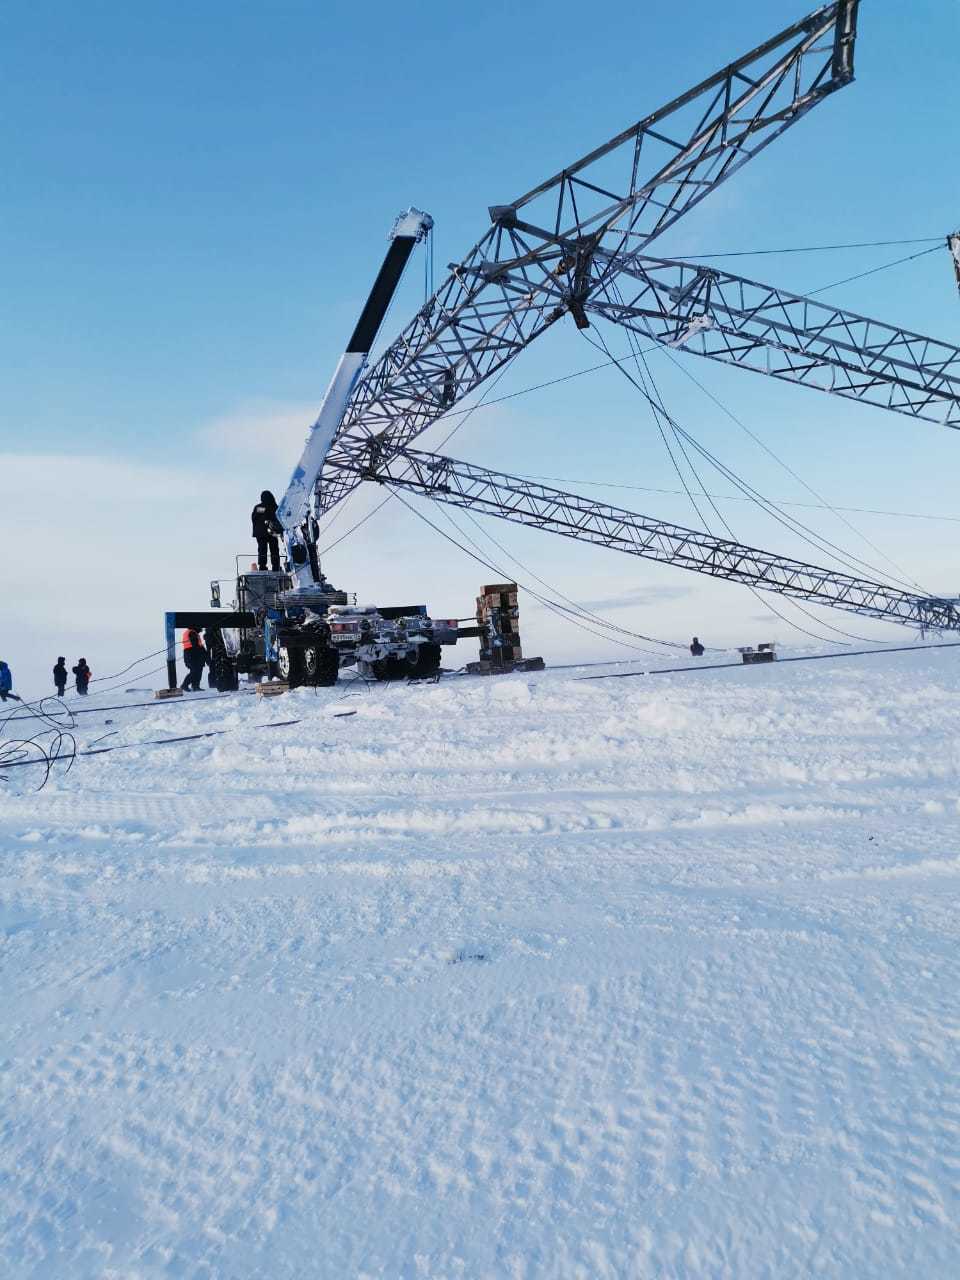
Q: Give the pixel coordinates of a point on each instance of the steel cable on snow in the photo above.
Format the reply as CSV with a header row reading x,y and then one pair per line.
x,y
52,745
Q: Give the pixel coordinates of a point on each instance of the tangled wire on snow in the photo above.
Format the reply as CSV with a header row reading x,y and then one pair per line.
x,y
53,744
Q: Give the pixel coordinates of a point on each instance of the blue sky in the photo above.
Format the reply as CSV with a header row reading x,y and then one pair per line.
x,y
196,200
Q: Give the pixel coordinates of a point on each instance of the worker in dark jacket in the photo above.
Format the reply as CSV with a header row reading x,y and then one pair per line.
x,y
83,674
266,526
60,676
6,682
696,648
194,659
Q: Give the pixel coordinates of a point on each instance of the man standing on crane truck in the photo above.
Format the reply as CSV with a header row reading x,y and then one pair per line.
x,y
283,620
266,527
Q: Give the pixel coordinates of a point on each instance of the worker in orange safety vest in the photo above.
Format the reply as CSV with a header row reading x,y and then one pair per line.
x,y
194,659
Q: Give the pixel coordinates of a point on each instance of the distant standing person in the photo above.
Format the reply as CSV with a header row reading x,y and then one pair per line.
x,y
266,526
696,648
60,676
83,674
194,659
6,683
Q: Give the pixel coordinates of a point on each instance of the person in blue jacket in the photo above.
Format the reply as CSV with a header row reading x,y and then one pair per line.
x,y
6,682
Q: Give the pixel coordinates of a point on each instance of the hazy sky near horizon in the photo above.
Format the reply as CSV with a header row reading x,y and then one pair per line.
x,y
196,200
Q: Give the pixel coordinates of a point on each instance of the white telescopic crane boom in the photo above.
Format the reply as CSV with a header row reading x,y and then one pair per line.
x,y
294,510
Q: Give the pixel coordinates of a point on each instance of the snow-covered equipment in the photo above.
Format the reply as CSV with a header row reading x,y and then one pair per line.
x,y
762,653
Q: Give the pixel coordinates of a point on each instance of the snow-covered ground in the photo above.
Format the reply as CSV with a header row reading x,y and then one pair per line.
x,y
523,977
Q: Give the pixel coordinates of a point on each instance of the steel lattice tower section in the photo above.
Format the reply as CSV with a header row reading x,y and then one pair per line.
x,y
539,506
539,259
576,246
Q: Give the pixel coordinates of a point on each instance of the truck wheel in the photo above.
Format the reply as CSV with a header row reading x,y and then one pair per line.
x,y
425,662
311,664
389,668
329,667
290,666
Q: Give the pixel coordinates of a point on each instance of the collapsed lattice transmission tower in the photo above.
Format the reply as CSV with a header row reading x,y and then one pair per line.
x,y
577,245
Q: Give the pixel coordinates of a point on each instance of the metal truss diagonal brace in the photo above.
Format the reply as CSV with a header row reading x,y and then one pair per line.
x,y
525,502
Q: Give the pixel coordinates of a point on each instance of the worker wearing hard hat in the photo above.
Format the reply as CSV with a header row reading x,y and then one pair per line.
x,y
266,526
194,659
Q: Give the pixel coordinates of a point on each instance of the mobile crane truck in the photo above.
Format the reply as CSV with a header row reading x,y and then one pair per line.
x,y
293,623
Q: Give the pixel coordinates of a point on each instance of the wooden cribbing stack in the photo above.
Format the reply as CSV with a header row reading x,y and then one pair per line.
x,y
272,688
499,627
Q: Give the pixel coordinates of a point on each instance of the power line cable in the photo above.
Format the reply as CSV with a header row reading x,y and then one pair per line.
x,y
562,611
116,674
800,657
821,543
40,698
478,555
582,609
814,248
903,580
766,603
679,432
873,271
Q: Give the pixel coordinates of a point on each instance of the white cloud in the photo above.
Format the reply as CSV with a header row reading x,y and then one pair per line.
x,y
268,431
99,548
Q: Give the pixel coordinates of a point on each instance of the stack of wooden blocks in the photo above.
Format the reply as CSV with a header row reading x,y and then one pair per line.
x,y
497,605
498,624
272,688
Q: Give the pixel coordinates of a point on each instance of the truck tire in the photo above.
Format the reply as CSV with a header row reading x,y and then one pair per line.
x,y
425,662
290,666
311,664
321,665
329,667
389,668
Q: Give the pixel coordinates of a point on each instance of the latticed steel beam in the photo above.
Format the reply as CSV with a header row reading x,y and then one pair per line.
x,y
528,503
760,327
534,263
